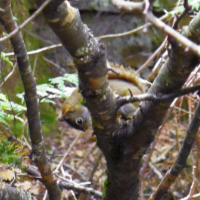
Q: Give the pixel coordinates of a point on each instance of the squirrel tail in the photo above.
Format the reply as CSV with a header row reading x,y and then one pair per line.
x,y
117,71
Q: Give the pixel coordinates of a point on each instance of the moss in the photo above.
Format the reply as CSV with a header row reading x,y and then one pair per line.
x,y
105,184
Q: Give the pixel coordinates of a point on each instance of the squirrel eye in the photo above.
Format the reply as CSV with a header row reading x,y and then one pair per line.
x,y
79,121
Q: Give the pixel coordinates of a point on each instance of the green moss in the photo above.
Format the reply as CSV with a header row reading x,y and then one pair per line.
x,y
105,184
7,154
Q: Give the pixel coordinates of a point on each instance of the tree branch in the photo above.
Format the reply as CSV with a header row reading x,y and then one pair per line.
x,y
130,7
152,97
18,28
38,149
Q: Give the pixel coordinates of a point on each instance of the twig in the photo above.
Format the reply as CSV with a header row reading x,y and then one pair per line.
x,y
147,160
156,171
155,69
132,31
38,11
55,65
9,75
66,153
150,59
79,188
35,63
187,8
66,184
194,183
196,196
128,6
188,44
180,162
36,51
132,7
97,161
152,97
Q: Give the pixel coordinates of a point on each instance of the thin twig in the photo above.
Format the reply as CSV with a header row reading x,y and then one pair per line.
x,y
37,51
66,153
152,97
188,44
79,188
38,11
132,31
9,75
150,59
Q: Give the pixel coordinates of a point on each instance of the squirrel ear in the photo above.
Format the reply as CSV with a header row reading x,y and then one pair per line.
x,y
60,118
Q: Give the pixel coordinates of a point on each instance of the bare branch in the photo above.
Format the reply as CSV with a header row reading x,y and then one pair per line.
x,y
36,51
79,188
128,6
132,31
188,44
156,53
38,11
156,98
39,156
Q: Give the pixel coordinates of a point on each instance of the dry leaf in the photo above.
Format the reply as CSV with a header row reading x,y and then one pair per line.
x,y
7,174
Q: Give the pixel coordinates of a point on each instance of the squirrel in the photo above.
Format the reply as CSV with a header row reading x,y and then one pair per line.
x,y
121,81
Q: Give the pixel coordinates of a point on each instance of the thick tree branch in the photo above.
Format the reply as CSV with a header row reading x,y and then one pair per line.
x,y
38,149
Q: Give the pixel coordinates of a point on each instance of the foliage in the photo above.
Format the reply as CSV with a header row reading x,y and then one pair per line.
x,y
7,152
105,184
55,89
11,149
72,78
10,110
161,5
46,92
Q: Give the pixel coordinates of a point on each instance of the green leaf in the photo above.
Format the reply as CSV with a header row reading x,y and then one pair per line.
x,y
4,34
7,106
72,78
3,97
47,101
15,18
2,120
21,96
6,59
195,4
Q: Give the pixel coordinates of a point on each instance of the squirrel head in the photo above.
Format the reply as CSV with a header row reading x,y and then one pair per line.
x,y
78,118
